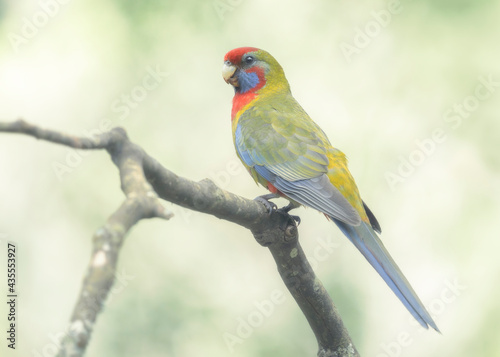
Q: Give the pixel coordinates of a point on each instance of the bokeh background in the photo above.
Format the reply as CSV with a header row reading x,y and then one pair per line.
x,y
409,90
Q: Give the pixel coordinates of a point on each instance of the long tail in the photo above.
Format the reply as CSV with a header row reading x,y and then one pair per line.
x,y
370,245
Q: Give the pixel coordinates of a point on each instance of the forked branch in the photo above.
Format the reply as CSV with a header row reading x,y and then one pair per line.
x,y
144,181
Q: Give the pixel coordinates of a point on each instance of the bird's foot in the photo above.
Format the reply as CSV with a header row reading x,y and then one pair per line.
x,y
264,199
287,209
295,218
271,206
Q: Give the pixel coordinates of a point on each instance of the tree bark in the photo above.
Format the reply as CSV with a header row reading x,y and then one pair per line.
x,y
144,181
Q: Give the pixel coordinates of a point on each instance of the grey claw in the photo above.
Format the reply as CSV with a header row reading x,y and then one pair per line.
x,y
270,206
296,219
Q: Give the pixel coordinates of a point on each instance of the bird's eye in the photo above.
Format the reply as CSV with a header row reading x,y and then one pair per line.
x,y
249,60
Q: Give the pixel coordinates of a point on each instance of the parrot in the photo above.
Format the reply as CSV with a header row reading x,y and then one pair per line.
x,y
285,151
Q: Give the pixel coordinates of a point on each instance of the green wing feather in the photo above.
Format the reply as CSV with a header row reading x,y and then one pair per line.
x,y
284,139
280,141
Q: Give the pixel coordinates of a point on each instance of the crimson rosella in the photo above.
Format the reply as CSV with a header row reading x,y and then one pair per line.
x,y
288,153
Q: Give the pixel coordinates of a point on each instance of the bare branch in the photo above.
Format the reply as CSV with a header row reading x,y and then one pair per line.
x,y
144,180
22,127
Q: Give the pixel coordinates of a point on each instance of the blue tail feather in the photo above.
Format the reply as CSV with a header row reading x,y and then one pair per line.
x,y
370,245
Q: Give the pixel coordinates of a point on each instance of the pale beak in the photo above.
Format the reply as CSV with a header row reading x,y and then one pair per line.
x,y
228,73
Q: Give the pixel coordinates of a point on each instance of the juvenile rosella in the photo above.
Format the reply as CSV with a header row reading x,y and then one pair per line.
x,y
288,153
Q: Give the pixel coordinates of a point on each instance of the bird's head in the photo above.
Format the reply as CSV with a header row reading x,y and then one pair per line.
x,y
249,69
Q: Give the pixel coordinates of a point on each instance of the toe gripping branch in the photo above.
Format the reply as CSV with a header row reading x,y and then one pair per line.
x,y
271,206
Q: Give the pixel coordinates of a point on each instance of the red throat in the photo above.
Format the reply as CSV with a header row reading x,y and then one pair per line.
x,y
242,99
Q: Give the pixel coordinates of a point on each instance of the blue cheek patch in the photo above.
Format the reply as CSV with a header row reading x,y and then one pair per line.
x,y
247,81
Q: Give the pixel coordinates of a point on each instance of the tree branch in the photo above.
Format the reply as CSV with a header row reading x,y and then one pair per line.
x,y
143,181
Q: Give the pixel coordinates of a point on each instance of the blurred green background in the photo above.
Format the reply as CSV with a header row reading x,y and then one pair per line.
x,y
408,90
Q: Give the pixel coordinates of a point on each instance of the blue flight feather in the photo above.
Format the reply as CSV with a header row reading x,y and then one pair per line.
x,y
370,245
